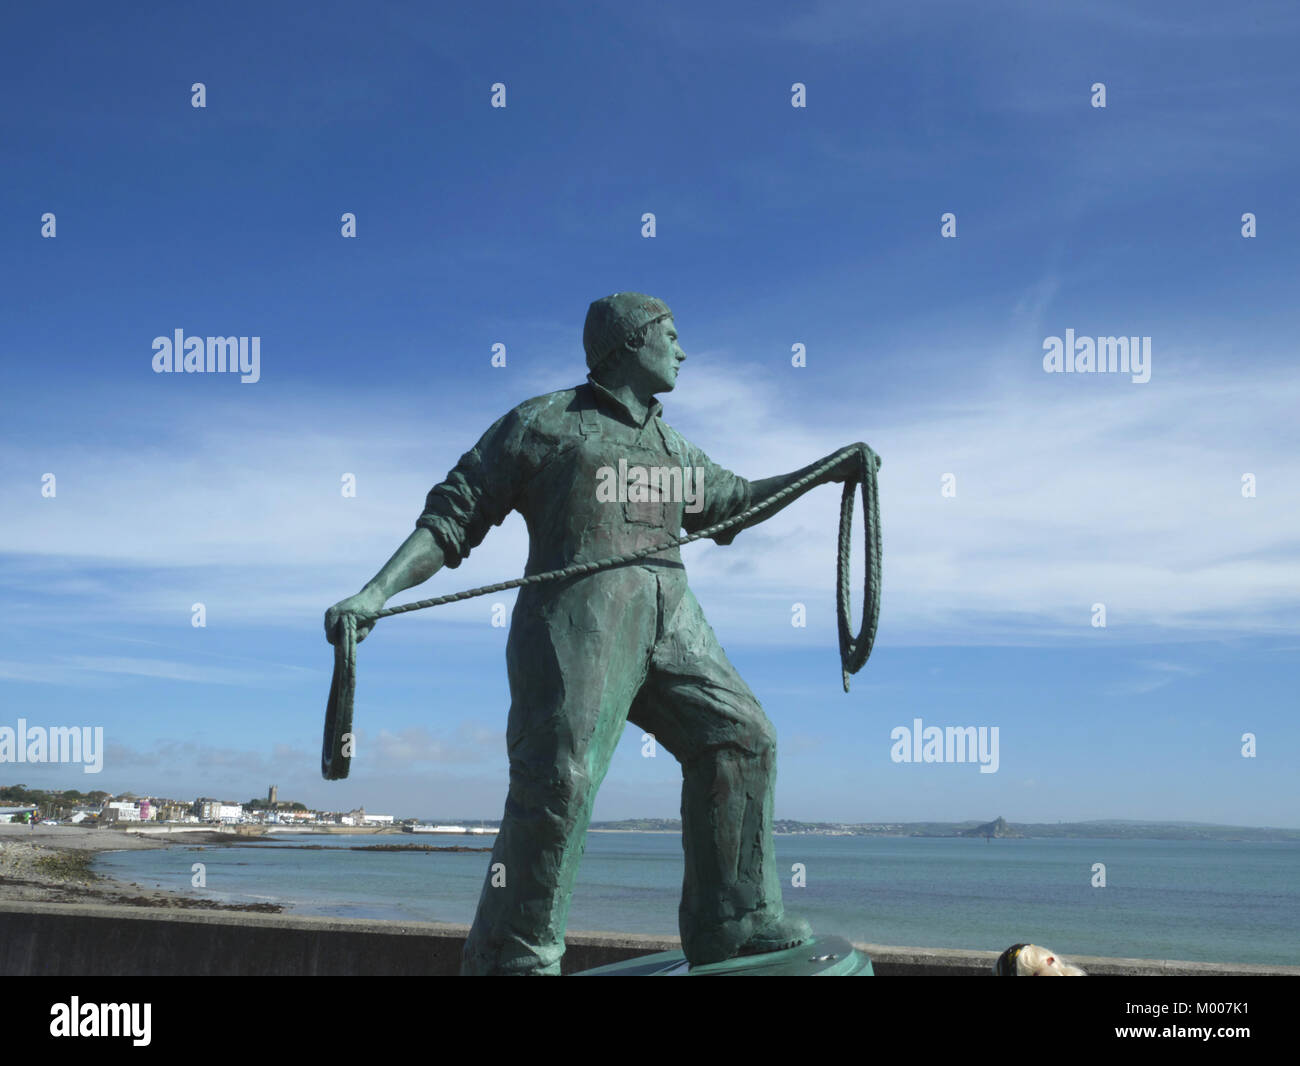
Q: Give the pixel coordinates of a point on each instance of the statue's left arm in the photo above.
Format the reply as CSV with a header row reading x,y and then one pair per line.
x,y
725,494
771,485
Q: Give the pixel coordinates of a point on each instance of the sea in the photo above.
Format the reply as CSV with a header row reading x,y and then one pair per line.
x,y
1161,899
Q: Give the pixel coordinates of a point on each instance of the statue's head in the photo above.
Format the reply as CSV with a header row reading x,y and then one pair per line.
x,y
630,334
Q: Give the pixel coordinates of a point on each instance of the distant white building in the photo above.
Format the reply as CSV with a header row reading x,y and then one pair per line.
x,y
379,819
123,811
230,812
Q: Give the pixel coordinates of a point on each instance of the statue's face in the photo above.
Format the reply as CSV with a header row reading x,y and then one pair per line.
x,y
660,357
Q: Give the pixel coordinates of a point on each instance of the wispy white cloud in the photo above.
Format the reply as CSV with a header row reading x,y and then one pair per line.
x,y
90,670
1071,490
1161,674
416,745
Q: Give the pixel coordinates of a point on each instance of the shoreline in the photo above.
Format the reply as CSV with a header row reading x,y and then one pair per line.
x,y
52,864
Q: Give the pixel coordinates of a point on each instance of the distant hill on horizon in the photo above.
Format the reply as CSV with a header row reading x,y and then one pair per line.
x,y
1102,829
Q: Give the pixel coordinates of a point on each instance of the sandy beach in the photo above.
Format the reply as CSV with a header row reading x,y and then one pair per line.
x,y
51,864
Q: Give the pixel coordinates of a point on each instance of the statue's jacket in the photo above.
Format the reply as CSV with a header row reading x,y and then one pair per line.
x,y
546,459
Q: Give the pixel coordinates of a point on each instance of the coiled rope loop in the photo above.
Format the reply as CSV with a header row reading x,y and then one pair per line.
x,y
855,650
336,751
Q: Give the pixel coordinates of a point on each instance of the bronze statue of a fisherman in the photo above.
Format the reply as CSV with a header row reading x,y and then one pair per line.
x,y
590,653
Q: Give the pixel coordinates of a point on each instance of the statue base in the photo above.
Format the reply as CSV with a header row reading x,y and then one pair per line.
x,y
823,956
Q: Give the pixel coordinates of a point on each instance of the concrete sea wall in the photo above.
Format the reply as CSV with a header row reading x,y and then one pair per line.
x,y
55,939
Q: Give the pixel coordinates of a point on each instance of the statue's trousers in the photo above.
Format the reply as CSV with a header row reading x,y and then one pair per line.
x,y
586,657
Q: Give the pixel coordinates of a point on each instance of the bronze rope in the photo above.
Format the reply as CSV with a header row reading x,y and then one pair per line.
x,y
854,650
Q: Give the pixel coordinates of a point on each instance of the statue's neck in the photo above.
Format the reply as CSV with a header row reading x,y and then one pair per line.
x,y
638,406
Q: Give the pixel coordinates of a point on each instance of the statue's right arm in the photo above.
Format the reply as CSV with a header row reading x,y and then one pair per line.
x,y
477,493
417,560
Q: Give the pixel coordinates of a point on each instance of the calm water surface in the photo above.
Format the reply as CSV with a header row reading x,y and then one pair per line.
x,y
1195,900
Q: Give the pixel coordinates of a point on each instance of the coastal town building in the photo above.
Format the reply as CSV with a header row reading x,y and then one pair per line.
x,y
210,810
72,807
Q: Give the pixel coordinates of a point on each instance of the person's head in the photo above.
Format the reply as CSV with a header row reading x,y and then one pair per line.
x,y
630,338
1030,960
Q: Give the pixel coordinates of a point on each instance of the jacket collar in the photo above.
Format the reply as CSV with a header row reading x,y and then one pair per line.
x,y
607,399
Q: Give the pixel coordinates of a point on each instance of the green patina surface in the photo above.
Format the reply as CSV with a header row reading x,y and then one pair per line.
x,y
591,652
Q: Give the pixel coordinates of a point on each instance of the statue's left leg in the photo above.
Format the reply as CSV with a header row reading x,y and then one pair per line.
x,y
700,709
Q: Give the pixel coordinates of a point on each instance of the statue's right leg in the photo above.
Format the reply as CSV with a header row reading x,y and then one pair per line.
x,y
571,684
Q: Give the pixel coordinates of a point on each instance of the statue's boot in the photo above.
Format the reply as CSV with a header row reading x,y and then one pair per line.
x,y
741,936
788,931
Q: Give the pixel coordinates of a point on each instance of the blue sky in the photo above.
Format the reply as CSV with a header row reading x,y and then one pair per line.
x,y
775,226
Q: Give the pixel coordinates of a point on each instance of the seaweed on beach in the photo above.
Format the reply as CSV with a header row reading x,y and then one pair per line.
x,y
66,866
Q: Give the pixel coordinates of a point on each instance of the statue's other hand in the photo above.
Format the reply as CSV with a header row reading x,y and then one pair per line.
x,y
849,465
364,605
